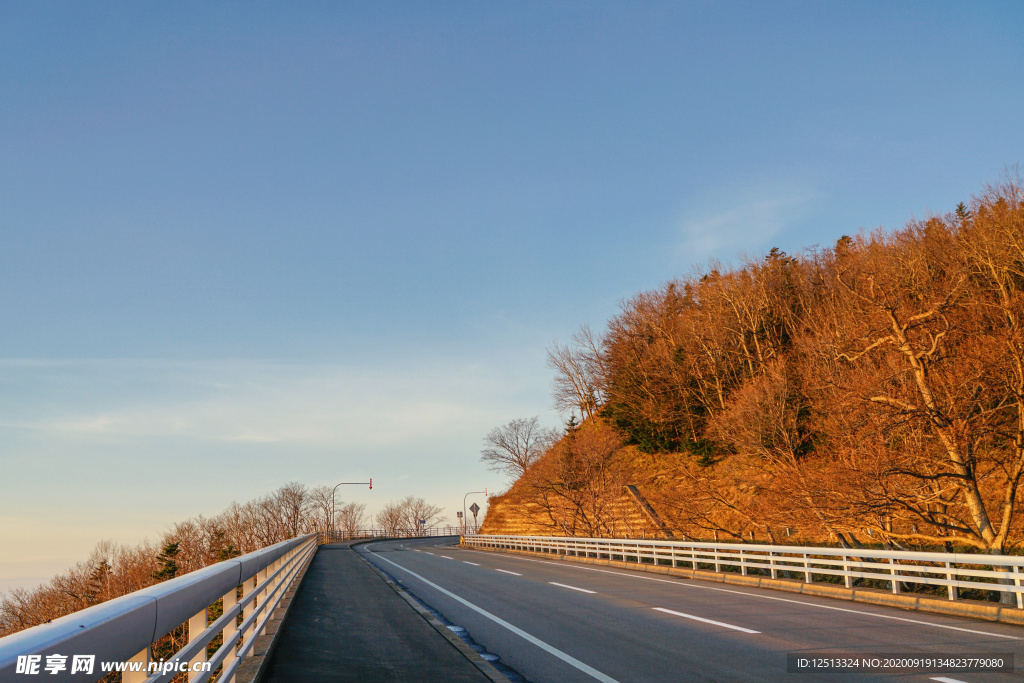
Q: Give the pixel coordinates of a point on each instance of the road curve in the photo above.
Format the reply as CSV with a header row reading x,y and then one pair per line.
x,y
558,621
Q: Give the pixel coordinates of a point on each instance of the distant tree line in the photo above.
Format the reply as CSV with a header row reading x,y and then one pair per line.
x,y
113,569
408,516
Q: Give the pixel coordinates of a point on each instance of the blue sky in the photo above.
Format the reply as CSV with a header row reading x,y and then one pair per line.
x,y
246,244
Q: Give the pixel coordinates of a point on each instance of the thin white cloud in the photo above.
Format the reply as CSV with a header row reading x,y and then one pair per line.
x,y
747,221
260,402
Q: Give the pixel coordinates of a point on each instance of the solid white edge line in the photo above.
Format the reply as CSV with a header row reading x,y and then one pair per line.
x,y
568,659
574,588
684,582
505,571
706,621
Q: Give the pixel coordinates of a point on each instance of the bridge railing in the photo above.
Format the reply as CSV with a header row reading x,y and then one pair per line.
x,y
954,571
340,535
248,588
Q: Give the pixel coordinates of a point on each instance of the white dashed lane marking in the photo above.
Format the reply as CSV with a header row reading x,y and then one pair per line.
x,y
706,621
685,584
568,659
572,588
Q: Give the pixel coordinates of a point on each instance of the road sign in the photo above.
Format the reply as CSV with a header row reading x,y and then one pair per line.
x,y
474,508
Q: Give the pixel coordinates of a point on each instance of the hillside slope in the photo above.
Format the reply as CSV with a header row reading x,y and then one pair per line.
x,y
872,392
589,484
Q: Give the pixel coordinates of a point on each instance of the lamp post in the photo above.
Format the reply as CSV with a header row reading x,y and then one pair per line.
x,y
344,483
464,506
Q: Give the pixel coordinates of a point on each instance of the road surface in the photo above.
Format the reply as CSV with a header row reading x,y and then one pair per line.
x,y
559,621
346,624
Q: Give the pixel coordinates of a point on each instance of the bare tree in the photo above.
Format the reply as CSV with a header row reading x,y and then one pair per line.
x,y
351,517
320,510
420,515
514,447
192,543
292,502
237,522
580,374
402,517
578,487
391,518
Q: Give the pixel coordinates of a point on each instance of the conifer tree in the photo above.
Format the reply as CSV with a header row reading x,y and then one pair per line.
x,y
167,561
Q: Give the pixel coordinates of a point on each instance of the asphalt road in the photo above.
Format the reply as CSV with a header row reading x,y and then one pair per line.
x,y
559,621
346,624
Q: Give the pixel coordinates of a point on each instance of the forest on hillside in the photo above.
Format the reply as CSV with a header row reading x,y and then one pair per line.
x,y
869,392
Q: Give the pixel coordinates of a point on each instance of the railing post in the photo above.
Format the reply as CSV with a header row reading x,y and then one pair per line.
x,y
137,676
771,563
847,579
281,562
248,586
895,577
1016,582
718,564
196,627
230,600
261,598
807,571
743,564
951,575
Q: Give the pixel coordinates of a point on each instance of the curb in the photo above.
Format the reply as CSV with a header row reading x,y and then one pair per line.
x,y
485,667
971,609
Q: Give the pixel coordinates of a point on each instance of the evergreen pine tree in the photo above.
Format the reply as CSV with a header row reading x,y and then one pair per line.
x,y
167,561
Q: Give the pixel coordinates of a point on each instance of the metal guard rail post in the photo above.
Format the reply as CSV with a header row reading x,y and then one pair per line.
x,y
894,567
124,629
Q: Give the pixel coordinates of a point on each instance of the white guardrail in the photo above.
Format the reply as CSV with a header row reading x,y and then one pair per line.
x,y
955,571
339,535
123,629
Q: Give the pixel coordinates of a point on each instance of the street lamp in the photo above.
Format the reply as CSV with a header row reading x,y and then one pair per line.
x,y
344,483
464,506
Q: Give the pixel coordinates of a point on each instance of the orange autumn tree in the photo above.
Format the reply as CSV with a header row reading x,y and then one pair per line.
x,y
918,352
869,392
